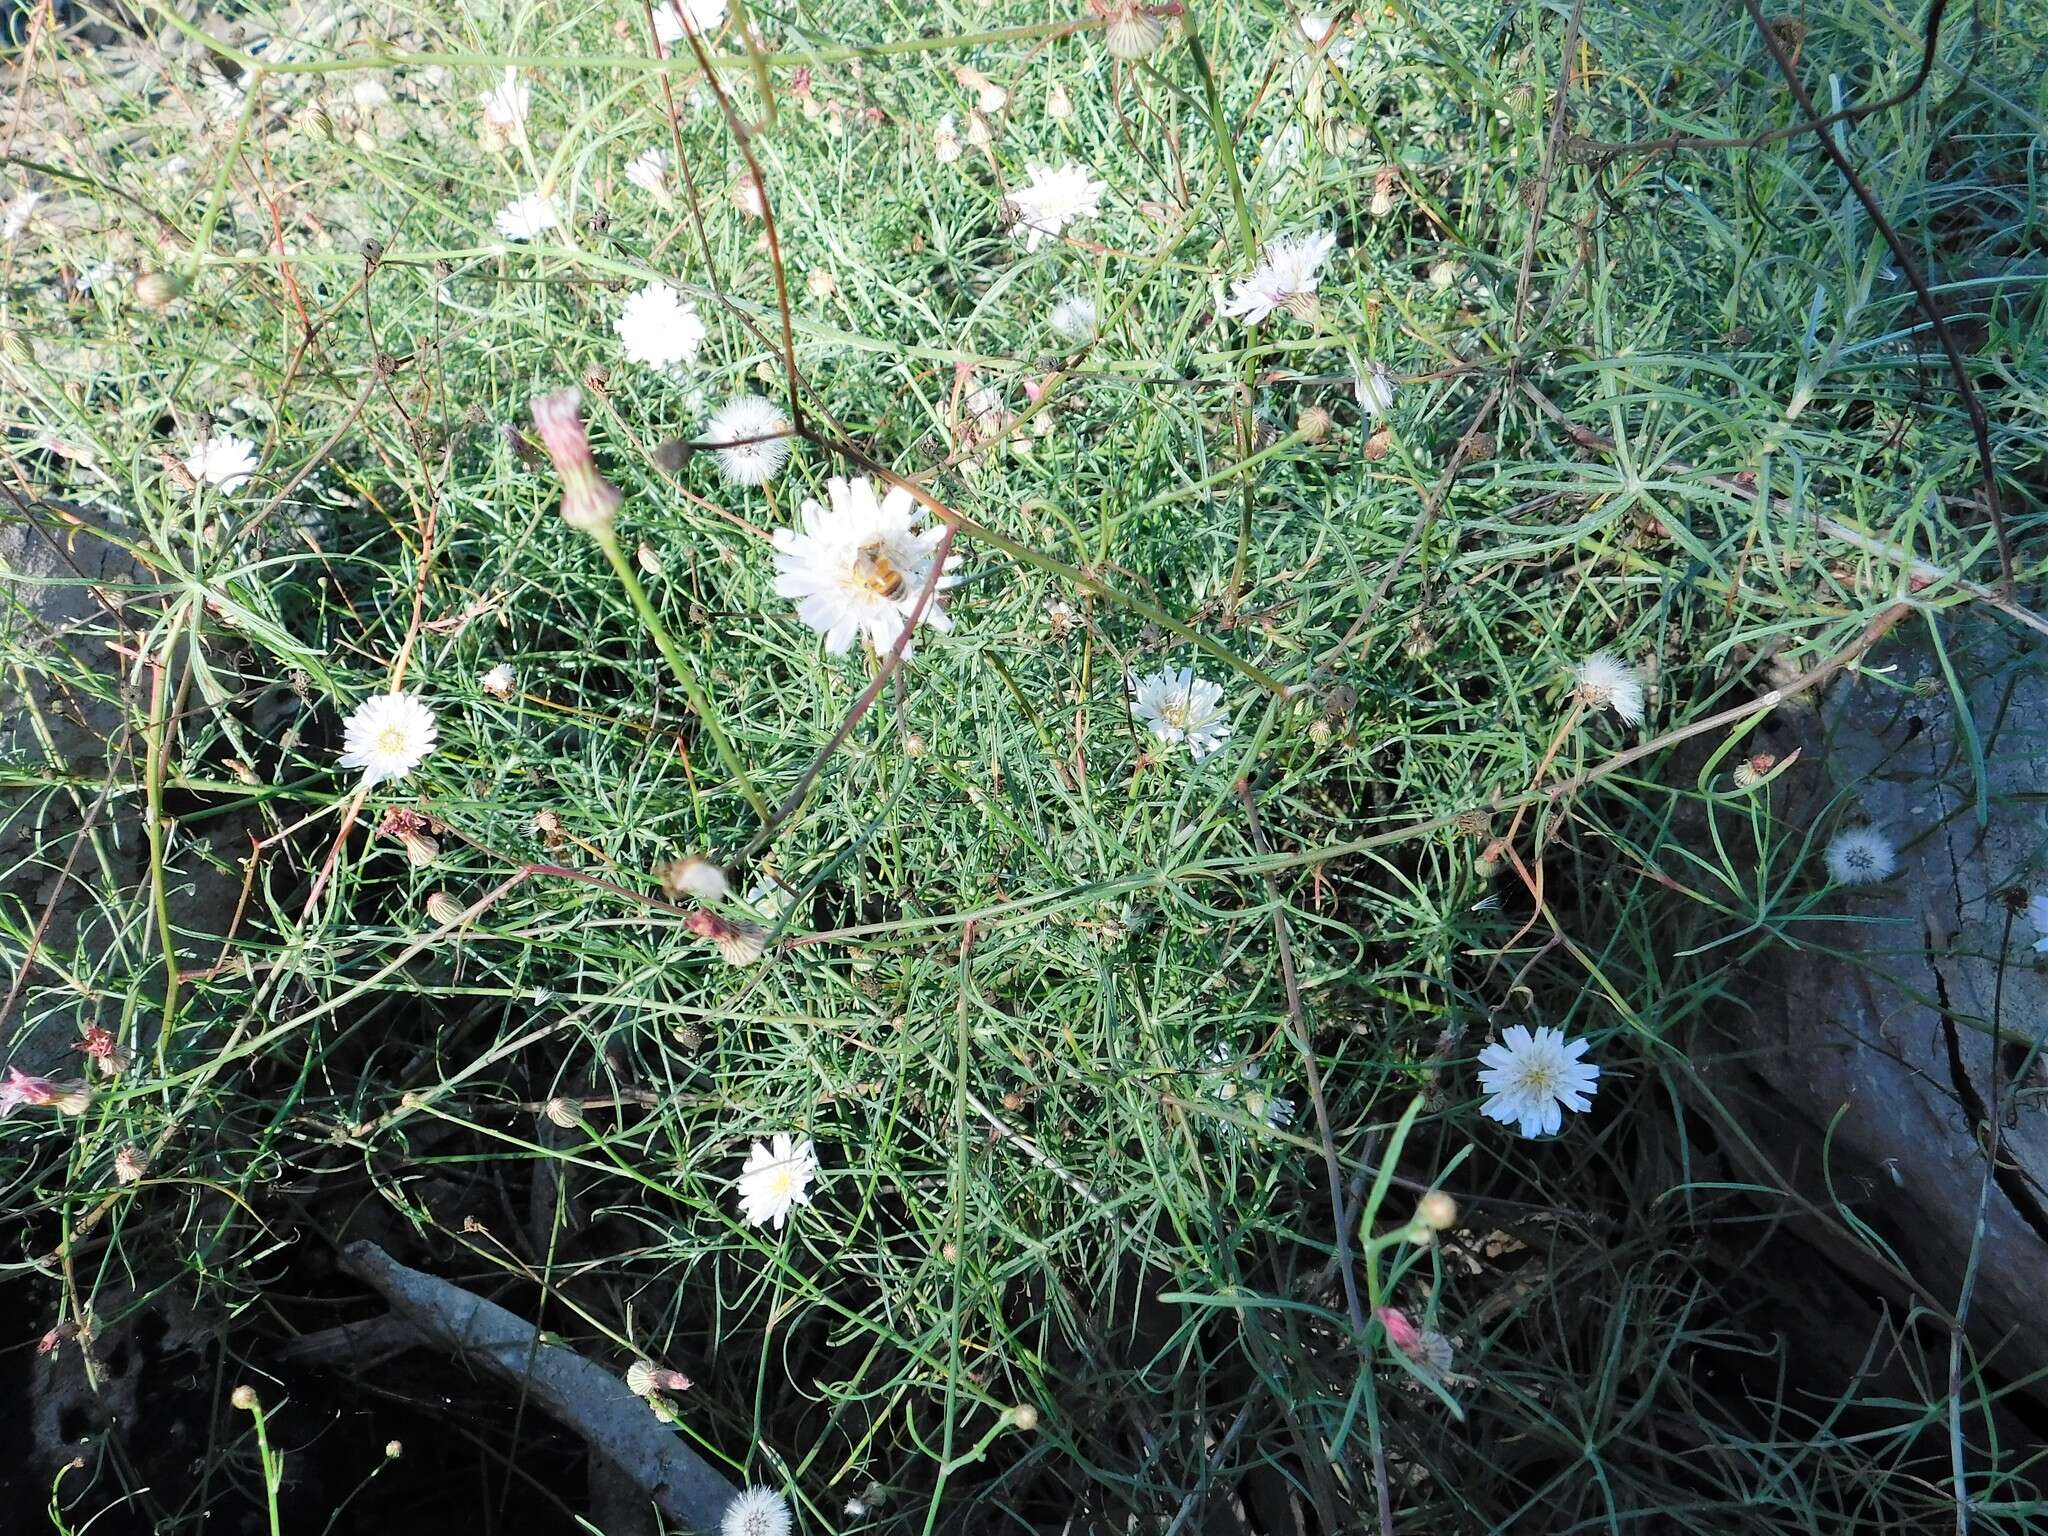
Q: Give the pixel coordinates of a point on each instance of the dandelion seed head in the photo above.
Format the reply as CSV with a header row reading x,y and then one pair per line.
x,y
1861,856
750,436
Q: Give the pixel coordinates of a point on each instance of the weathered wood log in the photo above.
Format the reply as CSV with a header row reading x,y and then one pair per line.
x,y
1890,1049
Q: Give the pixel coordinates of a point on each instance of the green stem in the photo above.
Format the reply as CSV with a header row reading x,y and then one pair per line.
x,y
153,832
1226,148
700,705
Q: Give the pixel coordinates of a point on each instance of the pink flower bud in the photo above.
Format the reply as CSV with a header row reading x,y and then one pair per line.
x,y
589,501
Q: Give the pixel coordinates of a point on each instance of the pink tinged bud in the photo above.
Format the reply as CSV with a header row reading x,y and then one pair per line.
x,y
1404,1335
739,942
589,501
20,1088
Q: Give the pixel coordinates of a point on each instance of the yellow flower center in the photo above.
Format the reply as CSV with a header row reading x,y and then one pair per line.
x,y
391,741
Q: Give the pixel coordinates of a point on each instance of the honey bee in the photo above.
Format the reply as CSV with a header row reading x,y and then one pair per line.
x,y
873,569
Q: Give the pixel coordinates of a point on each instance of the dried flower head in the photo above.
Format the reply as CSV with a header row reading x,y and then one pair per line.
x,y
756,1512
443,908
1133,33
130,1165
499,681
106,1052
1604,681
739,941
1861,856
751,437
563,1111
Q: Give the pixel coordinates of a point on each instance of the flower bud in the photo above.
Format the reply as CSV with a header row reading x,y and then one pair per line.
x,y
158,290
244,1398
443,908
1437,1211
562,1111
1313,425
590,503
1133,34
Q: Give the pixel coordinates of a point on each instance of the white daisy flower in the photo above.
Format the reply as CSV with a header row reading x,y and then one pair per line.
x,y
751,436
498,682
704,17
1534,1077
649,172
1285,277
15,219
507,104
1053,200
775,1179
946,140
757,1511
1374,387
1179,706
388,736
1074,317
857,566
525,217
223,460
2037,914
1861,856
1604,681
659,327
